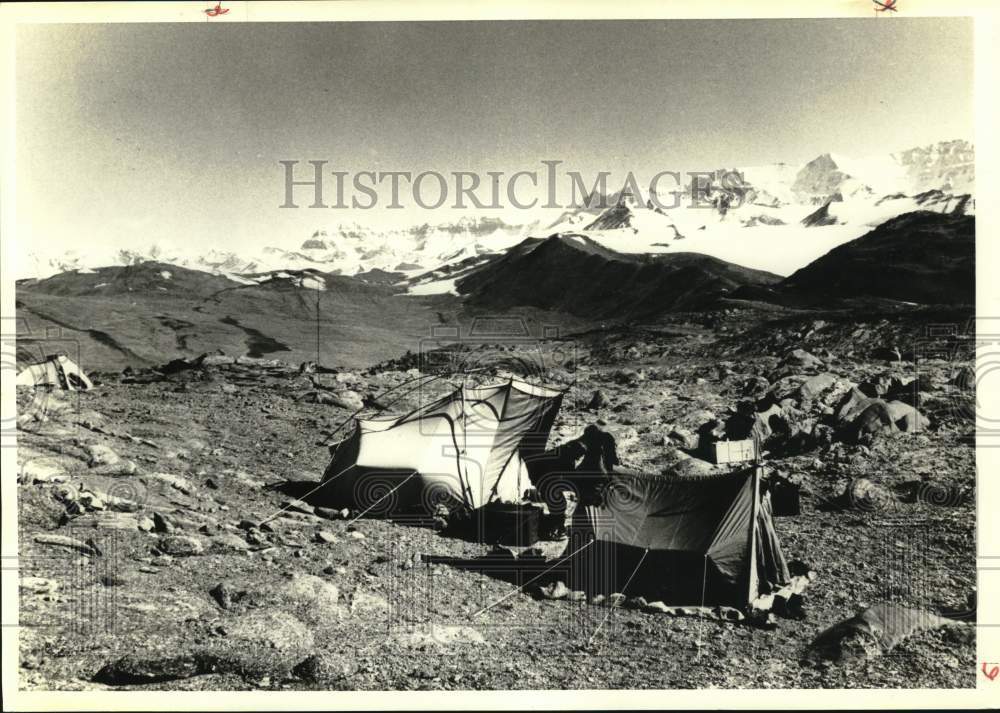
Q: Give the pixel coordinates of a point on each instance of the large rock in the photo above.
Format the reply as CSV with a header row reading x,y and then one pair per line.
x,y
851,406
815,386
350,400
261,644
149,667
99,455
906,417
876,420
43,469
800,357
872,632
67,542
683,438
181,545
864,494
368,604
330,668
438,635
311,597
178,482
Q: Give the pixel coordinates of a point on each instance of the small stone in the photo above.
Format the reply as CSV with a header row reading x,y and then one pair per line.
x,y
298,506
181,545
367,603
326,667
354,534
146,524
636,603
162,523
176,481
68,542
102,455
229,542
225,596
555,590
325,537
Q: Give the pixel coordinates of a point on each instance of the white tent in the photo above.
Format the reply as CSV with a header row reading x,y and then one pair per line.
x,y
468,447
57,370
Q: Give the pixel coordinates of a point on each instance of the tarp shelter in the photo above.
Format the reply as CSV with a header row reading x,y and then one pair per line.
x,y
466,448
57,370
683,541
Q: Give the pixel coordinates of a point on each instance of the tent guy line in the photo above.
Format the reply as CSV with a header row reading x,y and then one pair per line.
x,y
362,514
515,591
624,589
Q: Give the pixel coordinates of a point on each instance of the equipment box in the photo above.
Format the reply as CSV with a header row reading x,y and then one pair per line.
x,y
510,525
733,451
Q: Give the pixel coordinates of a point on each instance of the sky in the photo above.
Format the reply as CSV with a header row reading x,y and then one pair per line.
x,y
130,135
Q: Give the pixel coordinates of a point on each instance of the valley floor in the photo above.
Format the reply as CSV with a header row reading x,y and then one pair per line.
x,y
161,477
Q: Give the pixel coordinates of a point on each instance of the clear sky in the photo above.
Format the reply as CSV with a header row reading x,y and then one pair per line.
x,y
151,133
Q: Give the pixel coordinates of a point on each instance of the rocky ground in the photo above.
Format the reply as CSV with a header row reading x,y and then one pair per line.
x,y
169,538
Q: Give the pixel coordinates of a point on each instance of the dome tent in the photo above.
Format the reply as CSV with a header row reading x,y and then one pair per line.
x,y
466,448
57,370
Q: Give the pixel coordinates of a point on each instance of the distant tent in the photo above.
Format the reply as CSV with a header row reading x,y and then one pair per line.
x,y
683,541
467,448
57,370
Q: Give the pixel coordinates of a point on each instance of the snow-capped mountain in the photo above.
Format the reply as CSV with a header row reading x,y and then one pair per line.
x,y
759,222
777,218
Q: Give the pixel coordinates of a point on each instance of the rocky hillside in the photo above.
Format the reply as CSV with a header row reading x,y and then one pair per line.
x,y
922,257
571,273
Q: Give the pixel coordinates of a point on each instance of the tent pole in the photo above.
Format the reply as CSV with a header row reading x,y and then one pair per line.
x,y
704,578
752,584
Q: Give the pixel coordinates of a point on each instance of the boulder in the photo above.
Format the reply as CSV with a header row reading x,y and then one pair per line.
x,y
876,420
906,417
229,542
43,469
872,632
864,494
99,455
964,378
755,387
814,387
800,357
350,400
683,438
149,667
851,405
313,596
181,545
326,667
438,635
555,590
262,644
67,542
177,482
368,604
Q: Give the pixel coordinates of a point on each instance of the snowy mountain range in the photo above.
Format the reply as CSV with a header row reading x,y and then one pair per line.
x,y
779,218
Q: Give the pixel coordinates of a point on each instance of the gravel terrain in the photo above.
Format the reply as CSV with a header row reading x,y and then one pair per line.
x,y
169,538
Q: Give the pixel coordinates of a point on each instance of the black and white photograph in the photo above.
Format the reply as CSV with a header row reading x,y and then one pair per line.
x,y
497,355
